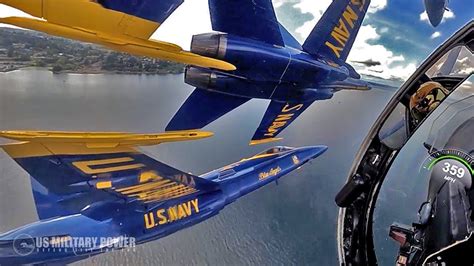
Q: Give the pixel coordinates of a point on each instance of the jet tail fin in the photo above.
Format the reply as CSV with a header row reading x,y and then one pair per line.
x,y
334,34
278,116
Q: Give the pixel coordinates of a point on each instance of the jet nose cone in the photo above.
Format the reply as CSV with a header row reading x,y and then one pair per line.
x,y
312,152
435,19
317,150
435,11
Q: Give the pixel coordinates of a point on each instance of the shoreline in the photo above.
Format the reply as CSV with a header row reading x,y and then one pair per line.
x,y
85,72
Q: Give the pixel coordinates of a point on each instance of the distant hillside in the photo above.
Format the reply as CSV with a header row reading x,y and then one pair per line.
x,y
22,48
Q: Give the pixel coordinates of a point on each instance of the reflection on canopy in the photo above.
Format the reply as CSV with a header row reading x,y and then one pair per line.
x,y
451,114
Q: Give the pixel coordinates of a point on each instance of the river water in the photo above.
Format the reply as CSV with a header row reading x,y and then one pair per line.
x,y
290,223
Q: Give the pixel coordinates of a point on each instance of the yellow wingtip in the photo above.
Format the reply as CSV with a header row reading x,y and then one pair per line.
x,y
135,46
223,65
263,141
104,139
193,134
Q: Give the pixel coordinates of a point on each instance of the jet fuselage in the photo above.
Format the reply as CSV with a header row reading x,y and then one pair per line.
x,y
266,71
435,10
105,224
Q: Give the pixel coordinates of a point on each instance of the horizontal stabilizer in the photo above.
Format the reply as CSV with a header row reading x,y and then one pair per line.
x,y
203,107
67,175
335,33
278,116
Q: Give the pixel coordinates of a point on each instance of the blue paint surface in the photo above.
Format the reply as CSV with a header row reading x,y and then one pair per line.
x,y
271,64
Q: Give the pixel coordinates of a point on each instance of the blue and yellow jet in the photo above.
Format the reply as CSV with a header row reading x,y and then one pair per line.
x,y
99,187
121,25
271,64
435,10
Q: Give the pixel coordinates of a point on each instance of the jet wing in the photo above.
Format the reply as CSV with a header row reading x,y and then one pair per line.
x,y
124,26
203,107
72,170
278,116
254,19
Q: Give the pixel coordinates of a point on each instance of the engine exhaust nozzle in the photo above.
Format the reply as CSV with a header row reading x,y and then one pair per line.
x,y
200,78
209,44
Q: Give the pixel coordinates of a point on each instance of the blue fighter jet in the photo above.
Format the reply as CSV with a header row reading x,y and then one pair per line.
x,y
271,64
95,191
435,10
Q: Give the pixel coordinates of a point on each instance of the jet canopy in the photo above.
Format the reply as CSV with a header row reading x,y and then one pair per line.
x,y
275,150
394,184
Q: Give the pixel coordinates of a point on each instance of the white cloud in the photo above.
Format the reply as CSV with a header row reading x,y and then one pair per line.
x,y
308,6
277,3
448,14
435,35
391,65
377,5
384,30
6,11
191,18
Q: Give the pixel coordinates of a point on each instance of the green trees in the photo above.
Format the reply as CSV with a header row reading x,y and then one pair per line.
x,y
41,50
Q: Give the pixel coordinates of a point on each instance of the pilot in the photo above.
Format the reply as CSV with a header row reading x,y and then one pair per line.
x,y
426,99
274,150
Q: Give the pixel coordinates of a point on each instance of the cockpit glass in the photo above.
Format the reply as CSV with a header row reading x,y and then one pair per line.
x,y
275,150
459,61
394,132
459,108
405,188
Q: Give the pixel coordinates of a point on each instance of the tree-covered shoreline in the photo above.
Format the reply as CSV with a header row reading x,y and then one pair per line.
x,y
24,48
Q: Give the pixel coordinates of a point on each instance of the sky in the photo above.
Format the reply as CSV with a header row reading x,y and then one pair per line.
x,y
395,33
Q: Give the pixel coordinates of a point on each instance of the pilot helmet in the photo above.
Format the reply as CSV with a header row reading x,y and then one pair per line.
x,y
426,98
